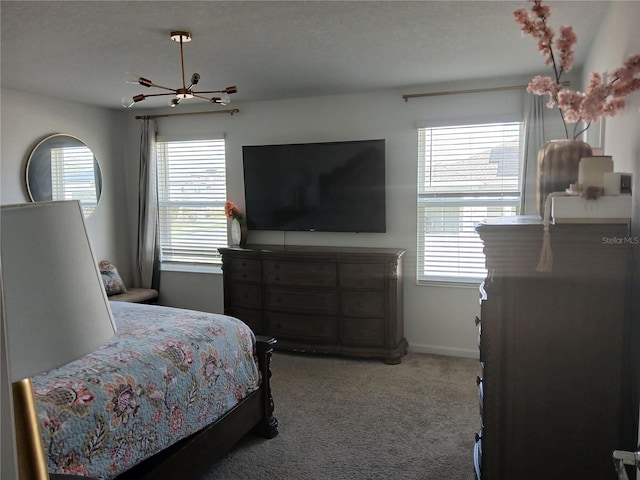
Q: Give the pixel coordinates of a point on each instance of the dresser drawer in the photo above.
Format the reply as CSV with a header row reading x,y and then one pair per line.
x,y
307,274
362,332
362,304
301,300
362,275
253,318
244,295
243,269
330,300
313,328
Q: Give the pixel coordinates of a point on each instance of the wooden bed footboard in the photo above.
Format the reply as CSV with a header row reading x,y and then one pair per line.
x,y
268,425
192,456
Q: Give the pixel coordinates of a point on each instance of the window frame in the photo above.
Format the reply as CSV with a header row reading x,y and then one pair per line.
x,y
182,257
455,196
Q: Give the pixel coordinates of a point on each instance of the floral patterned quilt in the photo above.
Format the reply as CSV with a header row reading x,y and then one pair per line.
x,y
166,374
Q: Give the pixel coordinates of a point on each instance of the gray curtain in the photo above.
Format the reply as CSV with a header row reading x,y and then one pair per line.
x,y
534,139
148,252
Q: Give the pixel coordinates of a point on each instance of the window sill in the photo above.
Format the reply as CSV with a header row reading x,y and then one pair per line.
x,y
191,268
472,284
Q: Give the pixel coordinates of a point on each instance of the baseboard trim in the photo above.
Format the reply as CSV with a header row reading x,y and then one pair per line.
x,y
447,351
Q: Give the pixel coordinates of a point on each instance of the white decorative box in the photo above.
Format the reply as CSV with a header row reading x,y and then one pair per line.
x,y
577,209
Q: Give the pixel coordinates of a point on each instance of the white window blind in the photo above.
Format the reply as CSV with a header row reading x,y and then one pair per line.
x,y
191,197
465,174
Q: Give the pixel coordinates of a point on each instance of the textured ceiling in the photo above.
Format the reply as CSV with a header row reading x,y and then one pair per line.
x,y
82,50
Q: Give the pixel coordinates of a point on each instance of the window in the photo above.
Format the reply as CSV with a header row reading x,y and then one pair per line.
x,y
465,174
191,197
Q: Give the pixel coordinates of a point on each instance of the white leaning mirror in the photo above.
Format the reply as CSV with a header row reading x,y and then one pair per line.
x,y
62,167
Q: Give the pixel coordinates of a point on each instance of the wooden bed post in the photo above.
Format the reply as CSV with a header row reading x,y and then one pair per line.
x,y
268,426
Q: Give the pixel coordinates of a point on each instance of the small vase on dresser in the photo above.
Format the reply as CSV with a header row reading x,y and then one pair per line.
x,y
238,232
558,162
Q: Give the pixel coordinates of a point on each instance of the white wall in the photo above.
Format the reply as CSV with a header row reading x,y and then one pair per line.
x,y
27,119
618,38
438,319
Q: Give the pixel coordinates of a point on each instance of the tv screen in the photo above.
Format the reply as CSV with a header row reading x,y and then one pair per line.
x,y
317,187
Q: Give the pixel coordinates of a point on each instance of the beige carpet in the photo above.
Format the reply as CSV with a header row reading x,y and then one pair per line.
x,y
358,419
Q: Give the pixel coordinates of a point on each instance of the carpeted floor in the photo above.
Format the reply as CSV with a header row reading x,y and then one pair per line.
x,y
356,419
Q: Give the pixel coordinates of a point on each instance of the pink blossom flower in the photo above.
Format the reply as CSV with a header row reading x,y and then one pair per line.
x,y
231,211
564,46
600,98
544,86
542,11
522,16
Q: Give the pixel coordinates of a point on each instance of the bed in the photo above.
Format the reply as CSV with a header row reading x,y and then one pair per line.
x,y
169,394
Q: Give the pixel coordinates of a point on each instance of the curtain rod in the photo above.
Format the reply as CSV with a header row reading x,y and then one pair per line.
x,y
212,112
407,96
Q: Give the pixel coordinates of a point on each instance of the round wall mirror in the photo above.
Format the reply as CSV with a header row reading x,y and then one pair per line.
x,y
62,167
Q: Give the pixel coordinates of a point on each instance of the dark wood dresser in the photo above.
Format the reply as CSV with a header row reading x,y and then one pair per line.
x,y
553,399
335,300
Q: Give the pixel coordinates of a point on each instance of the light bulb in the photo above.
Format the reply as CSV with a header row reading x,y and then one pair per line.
x,y
127,102
223,99
137,79
132,78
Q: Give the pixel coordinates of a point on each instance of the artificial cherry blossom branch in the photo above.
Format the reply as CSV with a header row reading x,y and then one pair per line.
x,y
600,99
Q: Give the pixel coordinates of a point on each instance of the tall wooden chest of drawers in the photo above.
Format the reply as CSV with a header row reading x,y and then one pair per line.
x,y
337,300
554,385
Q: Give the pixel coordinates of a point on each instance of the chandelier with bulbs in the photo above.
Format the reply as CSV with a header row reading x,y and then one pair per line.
x,y
178,94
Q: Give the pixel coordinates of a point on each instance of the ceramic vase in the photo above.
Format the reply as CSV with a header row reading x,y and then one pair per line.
x,y
558,162
238,232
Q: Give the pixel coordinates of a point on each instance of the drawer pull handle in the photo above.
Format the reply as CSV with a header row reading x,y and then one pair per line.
x,y
477,320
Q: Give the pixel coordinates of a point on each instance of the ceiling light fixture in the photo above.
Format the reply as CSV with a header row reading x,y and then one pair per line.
x,y
178,94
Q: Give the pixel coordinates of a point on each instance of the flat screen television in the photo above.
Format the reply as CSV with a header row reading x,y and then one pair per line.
x,y
316,187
